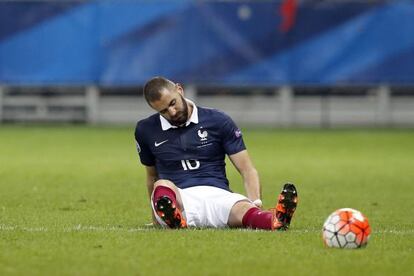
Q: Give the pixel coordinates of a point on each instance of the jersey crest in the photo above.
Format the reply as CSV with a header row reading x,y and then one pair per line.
x,y
202,134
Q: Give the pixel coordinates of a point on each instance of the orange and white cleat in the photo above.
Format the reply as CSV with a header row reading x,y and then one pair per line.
x,y
285,207
169,213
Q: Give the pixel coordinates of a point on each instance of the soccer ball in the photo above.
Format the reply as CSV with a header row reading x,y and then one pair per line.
x,y
346,228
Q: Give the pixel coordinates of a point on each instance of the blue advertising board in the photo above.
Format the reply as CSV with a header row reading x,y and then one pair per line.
x,y
123,43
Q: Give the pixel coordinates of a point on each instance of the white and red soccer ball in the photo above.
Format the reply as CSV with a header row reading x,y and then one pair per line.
x,y
346,228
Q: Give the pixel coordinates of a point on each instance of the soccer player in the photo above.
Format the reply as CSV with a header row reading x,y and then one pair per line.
x,y
183,148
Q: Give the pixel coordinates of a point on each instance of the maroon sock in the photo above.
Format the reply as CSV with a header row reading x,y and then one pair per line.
x,y
161,191
257,219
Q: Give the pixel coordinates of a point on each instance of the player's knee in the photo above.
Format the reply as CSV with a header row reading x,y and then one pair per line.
x,y
165,183
237,213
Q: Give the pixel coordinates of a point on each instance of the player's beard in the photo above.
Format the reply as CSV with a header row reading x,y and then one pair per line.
x,y
181,117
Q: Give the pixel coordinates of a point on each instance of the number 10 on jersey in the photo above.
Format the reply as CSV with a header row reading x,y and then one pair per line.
x,y
190,164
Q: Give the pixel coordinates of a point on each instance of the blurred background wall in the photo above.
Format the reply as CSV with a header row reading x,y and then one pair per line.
x,y
265,62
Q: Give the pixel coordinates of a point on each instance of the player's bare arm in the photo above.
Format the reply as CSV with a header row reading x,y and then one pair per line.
x,y
152,176
244,165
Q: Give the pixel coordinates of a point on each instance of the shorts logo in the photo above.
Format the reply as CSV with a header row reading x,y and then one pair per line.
x,y
202,134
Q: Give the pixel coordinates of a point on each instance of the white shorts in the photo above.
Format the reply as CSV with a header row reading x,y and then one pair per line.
x,y
207,206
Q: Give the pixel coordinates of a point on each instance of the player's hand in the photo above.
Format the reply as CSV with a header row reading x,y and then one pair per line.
x,y
154,220
258,203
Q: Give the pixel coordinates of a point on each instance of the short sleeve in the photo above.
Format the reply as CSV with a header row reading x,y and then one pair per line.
x,y
232,137
144,152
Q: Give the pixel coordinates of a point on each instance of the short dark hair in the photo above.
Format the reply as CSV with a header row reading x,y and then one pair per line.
x,y
153,88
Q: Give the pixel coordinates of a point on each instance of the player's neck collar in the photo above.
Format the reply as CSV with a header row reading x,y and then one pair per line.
x,y
165,125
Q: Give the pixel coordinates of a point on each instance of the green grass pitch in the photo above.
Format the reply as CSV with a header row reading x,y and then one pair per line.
x,y
73,202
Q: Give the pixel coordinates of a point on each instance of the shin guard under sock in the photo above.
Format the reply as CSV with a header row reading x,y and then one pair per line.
x,y
257,219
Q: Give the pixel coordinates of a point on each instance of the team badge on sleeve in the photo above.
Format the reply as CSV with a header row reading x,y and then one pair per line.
x,y
238,133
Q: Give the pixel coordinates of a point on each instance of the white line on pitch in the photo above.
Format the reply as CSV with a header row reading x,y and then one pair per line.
x,y
76,228
115,228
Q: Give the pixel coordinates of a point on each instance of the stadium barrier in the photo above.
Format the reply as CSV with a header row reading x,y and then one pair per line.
x,y
284,106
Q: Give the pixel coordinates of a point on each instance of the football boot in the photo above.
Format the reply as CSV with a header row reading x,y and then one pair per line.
x,y
276,224
169,213
285,207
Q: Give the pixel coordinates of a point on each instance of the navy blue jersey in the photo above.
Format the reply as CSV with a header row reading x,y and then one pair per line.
x,y
193,155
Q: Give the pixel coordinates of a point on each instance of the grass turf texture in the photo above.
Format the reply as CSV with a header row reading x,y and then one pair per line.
x,y
73,201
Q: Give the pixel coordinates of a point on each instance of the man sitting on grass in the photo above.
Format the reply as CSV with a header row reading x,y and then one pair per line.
x,y
183,148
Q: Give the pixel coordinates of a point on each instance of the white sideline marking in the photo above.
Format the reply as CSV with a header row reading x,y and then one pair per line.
x,y
76,228
114,228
